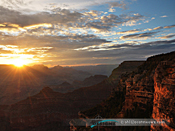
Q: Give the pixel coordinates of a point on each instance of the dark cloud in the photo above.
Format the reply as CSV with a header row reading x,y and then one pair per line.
x,y
139,30
130,46
117,4
99,26
138,36
58,42
110,21
129,31
158,28
171,26
167,36
8,26
63,16
122,52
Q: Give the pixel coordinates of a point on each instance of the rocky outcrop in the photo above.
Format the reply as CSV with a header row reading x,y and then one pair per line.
x,y
124,67
139,92
148,92
164,95
152,90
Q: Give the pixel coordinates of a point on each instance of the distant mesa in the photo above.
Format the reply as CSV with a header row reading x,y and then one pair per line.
x,y
65,83
39,67
57,67
89,81
92,80
65,87
46,89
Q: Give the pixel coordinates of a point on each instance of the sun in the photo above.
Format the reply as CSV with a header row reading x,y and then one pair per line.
x,y
19,62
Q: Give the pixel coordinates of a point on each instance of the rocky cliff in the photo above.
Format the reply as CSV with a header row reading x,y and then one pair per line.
x,y
164,95
124,67
147,92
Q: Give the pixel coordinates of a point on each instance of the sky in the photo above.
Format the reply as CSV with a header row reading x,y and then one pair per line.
x,y
84,32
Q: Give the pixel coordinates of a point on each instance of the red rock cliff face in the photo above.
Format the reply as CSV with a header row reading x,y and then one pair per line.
x,y
164,95
139,92
149,92
157,89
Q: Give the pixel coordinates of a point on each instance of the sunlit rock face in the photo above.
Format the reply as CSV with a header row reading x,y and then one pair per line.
x,y
164,95
147,92
139,93
156,89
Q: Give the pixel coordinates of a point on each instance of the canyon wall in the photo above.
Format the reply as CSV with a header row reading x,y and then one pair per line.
x,y
150,92
147,92
164,95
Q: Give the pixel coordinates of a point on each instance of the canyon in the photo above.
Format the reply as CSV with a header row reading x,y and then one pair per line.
x,y
49,109
135,89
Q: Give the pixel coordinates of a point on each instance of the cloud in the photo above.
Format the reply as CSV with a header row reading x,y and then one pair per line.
x,y
148,29
125,46
92,13
117,4
14,17
2,51
171,26
164,16
139,36
111,20
129,31
51,46
14,4
111,9
167,36
113,5
61,20
15,49
158,28
41,5
132,20
105,47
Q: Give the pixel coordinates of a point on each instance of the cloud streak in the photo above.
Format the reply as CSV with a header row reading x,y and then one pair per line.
x,y
167,36
139,36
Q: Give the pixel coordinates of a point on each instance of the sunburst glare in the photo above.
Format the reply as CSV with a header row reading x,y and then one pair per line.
x,y
20,62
